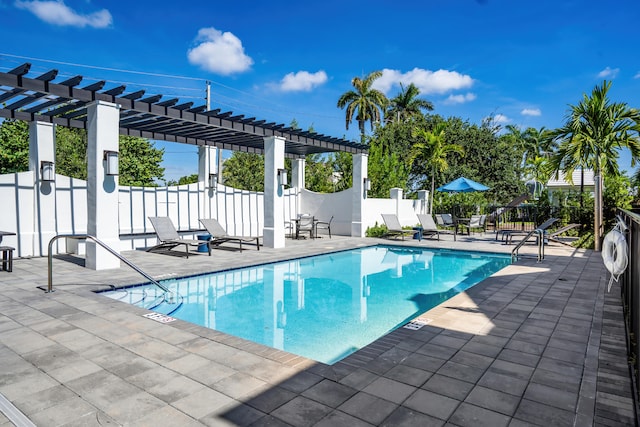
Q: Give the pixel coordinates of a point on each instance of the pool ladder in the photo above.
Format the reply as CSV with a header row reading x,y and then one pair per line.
x,y
101,243
540,240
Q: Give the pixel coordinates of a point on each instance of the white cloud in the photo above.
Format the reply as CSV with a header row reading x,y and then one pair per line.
x,y
460,99
302,81
429,82
218,52
609,72
531,112
501,118
58,13
637,76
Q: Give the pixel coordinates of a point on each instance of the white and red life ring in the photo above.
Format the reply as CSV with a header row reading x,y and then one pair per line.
x,y
614,254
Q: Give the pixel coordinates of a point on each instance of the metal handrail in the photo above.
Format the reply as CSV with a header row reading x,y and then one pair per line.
x,y
540,233
99,242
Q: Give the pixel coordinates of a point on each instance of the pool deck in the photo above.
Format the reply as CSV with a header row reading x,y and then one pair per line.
x,y
534,344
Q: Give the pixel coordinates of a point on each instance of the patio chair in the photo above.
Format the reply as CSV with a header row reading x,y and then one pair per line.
x,y
477,222
394,229
305,223
219,234
429,227
168,236
493,219
445,222
323,225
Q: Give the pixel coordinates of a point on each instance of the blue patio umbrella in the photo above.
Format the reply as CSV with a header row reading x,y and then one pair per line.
x,y
462,185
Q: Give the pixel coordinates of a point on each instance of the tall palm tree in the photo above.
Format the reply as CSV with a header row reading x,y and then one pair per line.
x,y
594,131
365,103
432,148
407,104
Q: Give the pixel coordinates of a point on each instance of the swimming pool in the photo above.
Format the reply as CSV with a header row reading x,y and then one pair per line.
x,y
323,307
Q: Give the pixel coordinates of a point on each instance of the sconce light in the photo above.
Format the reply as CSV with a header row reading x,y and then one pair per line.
x,y
213,180
47,171
111,166
282,177
367,184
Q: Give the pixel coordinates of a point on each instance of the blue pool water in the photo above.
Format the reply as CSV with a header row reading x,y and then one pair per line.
x,y
322,307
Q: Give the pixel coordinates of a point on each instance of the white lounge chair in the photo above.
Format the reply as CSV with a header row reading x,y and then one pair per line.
x,y
393,226
429,227
219,234
168,236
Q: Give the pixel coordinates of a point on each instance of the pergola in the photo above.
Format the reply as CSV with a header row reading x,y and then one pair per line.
x,y
65,103
105,111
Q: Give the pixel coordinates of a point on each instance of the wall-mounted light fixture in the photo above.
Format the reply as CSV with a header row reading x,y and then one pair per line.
x,y
367,184
111,163
282,177
47,171
213,180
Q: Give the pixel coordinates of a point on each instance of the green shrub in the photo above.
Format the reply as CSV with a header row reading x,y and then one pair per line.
x,y
376,230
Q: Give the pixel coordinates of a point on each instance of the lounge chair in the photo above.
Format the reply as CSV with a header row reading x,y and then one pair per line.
x,y
323,225
429,227
168,236
393,226
219,234
508,235
556,235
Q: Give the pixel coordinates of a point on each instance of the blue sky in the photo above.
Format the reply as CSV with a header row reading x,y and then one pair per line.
x,y
521,62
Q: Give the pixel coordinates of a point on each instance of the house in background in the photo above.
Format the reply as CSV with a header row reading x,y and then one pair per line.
x,y
558,188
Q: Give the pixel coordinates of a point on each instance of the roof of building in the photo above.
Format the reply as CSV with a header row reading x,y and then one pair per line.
x,y
561,180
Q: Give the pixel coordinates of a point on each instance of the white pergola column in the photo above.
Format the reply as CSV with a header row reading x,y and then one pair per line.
x,y
273,193
297,173
102,190
359,194
208,165
42,148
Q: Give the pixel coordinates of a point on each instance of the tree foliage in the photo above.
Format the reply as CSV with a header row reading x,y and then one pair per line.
x,y
14,146
364,102
244,171
184,180
139,160
406,104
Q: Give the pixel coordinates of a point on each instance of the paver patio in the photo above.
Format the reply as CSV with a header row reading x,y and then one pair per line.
x,y
535,344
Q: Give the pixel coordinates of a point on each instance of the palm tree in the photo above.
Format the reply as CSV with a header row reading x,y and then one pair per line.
x,y
433,149
594,131
365,103
407,104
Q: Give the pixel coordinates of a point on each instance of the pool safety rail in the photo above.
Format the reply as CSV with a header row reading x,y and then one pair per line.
x,y
539,233
99,242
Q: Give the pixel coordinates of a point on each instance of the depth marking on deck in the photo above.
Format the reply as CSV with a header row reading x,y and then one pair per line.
x,y
158,317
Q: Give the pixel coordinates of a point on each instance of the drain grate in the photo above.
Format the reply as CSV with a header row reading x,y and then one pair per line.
x,y
158,317
416,324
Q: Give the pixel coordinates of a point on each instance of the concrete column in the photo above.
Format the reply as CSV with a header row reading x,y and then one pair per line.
x,y
297,173
207,165
102,190
273,193
42,148
423,196
396,194
359,194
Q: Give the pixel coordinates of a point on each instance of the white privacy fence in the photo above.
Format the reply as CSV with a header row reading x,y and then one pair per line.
x,y
240,212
